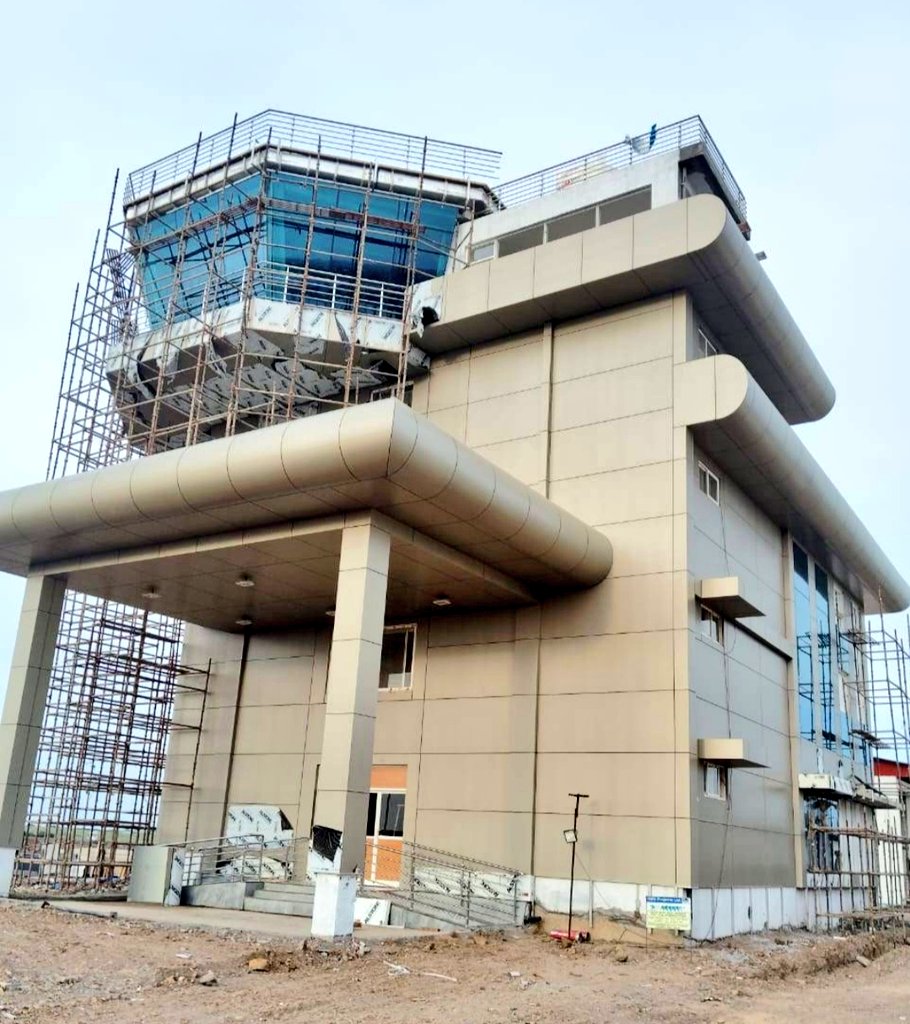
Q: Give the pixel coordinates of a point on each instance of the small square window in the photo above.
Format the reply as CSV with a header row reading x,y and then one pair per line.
x,y
712,625
397,658
704,346
716,781
709,483
483,251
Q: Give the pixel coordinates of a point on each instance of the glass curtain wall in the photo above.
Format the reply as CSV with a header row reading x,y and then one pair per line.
x,y
307,235
803,621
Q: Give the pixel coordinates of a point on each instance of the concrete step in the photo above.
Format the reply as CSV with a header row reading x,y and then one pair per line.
x,y
291,890
294,908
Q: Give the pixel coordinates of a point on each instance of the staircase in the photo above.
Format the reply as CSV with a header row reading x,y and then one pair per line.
x,y
294,898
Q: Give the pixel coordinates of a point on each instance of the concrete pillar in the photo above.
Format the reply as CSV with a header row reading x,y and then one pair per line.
x,y
340,820
23,711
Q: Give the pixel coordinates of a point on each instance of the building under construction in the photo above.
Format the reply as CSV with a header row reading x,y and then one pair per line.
x,y
387,505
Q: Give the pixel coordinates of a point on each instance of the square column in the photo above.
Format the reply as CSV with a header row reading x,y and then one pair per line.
x,y
342,796
23,711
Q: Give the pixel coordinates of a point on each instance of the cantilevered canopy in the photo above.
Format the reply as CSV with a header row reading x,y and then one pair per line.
x,y
693,244
448,503
735,423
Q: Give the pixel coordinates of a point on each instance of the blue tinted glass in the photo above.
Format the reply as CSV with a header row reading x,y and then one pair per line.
x,y
803,623
823,636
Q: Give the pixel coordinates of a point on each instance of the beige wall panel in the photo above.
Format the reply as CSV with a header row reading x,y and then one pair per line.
x,y
617,784
200,644
487,835
659,238
206,820
476,782
217,730
614,849
498,371
173,818
641,492
607,251
211,778
504,418
641,547
224,684
179,769
618,444
315,728
612,395
271,730
479,725
482,670
511,279
491,627
453,420
557,265
466,293
447,384
630,604
596,344
601,664
397,726
267,779
525,457
286,644
607,722
277,681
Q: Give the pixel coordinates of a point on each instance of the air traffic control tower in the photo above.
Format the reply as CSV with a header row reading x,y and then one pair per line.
x,y
388,505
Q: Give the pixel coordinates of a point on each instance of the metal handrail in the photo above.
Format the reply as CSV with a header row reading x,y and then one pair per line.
x,y
313,134
241,857
687,132
473,893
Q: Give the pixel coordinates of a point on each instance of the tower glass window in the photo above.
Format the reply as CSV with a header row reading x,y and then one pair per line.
x,y
803,622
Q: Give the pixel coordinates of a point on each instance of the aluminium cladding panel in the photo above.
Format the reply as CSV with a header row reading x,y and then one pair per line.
x,y
380,456
736,423
691,245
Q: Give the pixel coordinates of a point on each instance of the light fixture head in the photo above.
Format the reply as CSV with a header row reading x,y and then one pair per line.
x,y
442,601
761,256
244,581
152,593
330,612
570,835
243,621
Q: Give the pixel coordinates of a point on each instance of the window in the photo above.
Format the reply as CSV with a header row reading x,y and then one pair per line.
x,y
623,206
571,224
802,616
704,346
521,240
712,625
397,658
716,781
709,483
483,251
822,819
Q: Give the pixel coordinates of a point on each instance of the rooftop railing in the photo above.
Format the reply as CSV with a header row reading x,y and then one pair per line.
x,y
313,134
689,132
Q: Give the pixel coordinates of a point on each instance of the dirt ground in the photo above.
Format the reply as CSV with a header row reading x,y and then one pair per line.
x,y
65,967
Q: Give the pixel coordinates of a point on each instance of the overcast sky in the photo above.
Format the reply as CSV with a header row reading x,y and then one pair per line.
x,y
807,102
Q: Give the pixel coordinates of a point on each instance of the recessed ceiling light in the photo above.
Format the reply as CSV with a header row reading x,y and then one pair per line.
x,y
151,593
244,581
244,622
442,601
330,612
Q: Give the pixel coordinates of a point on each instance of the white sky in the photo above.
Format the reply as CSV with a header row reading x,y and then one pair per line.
x,y
807,102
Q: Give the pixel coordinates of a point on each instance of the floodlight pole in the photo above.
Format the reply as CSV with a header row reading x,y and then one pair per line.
x,y
578,798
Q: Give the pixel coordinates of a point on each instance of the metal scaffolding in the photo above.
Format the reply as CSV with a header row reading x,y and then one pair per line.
x,y
859,866
259,275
